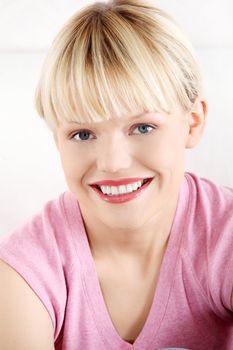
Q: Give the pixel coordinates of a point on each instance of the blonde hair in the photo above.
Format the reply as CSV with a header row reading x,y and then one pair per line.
x,y
113,58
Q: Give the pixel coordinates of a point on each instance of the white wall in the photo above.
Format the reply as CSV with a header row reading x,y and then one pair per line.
x,y
30,170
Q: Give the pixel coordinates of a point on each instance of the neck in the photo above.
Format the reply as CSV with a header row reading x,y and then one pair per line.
x,y
142,243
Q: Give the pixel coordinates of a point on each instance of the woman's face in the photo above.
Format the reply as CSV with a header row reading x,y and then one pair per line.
x,y
131,148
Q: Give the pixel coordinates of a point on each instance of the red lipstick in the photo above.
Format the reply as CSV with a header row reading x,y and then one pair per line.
x,y
121,198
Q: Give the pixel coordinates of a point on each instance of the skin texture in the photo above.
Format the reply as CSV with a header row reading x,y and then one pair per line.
x,y
24,321
117,149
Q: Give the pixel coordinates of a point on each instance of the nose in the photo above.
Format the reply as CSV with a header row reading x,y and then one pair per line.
x,y
113,155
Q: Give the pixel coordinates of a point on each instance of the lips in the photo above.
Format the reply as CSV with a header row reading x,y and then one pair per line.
x,y
121,198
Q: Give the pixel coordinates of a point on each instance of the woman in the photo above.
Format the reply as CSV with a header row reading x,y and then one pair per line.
x,y
137,254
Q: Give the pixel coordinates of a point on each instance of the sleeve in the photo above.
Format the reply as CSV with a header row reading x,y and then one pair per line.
x,y
220,252
32,250
211,244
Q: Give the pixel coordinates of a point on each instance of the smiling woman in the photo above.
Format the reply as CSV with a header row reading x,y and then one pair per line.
x,y
137,254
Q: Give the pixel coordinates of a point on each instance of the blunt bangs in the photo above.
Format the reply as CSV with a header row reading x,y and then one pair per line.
x,y
117,58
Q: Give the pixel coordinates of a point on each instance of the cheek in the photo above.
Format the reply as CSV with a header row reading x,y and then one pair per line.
x,y
164,151
74,162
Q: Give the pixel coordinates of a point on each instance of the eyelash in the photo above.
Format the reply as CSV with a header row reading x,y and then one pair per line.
x,y
135,127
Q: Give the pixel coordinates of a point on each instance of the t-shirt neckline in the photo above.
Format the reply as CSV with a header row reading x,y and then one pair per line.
x,y
91,285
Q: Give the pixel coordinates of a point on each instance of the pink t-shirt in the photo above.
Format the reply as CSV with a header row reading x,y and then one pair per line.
x,y
191,307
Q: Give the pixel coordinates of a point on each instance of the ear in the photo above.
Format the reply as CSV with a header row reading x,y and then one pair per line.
x,y
197,120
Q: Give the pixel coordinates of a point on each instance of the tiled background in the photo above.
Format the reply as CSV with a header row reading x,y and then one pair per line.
x,y
30,171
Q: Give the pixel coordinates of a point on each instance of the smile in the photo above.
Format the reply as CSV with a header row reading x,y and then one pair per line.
x,y
122,193
123,189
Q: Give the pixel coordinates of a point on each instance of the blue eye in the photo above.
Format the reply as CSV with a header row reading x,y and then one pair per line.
x,y
143,128
83,135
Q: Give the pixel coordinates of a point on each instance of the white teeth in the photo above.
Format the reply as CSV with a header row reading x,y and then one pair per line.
x,y
129,188
122,189
116,190
135,186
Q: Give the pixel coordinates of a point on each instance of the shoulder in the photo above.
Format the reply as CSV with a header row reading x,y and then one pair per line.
x,y
210,224
19,302
208,240
45,230
42,252
210,198
47,237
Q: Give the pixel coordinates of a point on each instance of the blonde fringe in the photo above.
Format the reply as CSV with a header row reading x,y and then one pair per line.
x,y
116,58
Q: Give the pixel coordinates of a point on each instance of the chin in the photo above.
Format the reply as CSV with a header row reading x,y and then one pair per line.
x,y
124,223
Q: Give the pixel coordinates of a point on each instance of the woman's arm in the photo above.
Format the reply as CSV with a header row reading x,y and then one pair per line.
x,y
24,321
